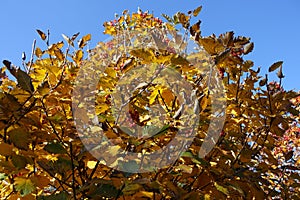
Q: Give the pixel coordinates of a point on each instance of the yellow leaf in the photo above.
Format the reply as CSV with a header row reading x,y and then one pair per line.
x,y
78,56
185,168
38,52
197,11
101,108
143,194
206,197
113,150
91,164
83,40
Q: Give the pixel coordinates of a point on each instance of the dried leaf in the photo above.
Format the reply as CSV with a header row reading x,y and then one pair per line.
x,y
248,48
75,36
262,82
24,81
275,65
42,34
279,73
289,155
195,29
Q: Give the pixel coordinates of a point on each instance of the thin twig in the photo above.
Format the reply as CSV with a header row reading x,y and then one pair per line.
x,y
32,55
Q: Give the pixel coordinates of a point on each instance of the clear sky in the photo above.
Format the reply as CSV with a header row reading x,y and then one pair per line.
x,y
273,25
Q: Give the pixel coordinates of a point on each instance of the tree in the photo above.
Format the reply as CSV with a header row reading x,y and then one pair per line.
x,y
46,155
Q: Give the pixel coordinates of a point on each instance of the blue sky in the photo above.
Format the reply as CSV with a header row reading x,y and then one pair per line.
x,y
273,25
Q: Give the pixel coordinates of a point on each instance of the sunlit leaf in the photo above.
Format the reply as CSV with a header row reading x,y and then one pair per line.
x,y
42,34
78,56
197,11
68,40
38,52
83,40
221,188
168,18
91,164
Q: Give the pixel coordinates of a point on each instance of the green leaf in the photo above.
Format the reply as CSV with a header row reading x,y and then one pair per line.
x,y
55,148
24,81
2,176
20,138
131,188
24,186
276,65
59,196
107,190
221,188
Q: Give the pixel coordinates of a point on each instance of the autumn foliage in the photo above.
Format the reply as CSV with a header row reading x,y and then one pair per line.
x,y
42,155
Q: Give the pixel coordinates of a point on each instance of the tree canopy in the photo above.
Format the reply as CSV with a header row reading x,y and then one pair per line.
x,y
79,123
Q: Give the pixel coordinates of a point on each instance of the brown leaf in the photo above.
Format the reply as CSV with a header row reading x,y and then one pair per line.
x,y
248,48
262,82
42,34
275,65
211,45
75,36
195,28
279,73
12,69
24,81
20,138
289,155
